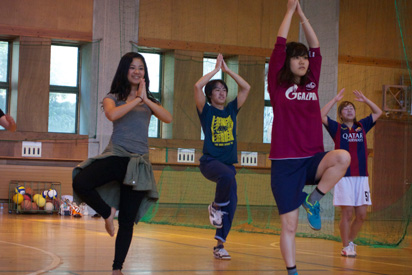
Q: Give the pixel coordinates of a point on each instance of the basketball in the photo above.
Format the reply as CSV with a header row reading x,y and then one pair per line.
x,y
49,207
40,201
26,205
52,193
18,198
34,206
29,191
20,190
26,198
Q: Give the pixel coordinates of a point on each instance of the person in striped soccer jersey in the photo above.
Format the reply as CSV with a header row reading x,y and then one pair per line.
x,y
351,193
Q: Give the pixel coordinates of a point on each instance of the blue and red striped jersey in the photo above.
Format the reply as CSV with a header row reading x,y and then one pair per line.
x,y
353,140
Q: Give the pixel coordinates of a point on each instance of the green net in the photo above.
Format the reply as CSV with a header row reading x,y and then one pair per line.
x,y
370,62
185,195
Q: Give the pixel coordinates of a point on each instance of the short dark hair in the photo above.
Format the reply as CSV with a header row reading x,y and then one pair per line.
x,y
212,85
293,49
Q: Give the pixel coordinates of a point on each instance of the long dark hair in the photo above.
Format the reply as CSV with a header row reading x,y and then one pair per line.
x,y
343,105
211,85
285,76
120,84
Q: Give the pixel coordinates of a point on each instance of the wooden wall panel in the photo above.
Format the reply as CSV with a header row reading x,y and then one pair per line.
x,y
188,20
41,173
60,19
391,165
188,70
250,117
152,16
61,150
368,28
55,146
33,86
35,173
249,16
234,22
221,27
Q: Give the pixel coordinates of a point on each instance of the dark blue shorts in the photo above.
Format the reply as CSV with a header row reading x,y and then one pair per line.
x,y
289,177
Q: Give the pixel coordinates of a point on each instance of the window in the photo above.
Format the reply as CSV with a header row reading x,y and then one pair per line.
x,y
64,89
209,64
153,62
4,76
267,112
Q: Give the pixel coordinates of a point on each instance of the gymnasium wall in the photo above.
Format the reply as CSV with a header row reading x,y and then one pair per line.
x,y
32,26
392,165
364,39
66,20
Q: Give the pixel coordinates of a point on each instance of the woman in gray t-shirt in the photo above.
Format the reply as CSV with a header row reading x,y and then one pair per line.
x,y
129,105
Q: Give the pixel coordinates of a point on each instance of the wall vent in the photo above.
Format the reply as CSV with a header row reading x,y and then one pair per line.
x,y
186,155
249,158
31,149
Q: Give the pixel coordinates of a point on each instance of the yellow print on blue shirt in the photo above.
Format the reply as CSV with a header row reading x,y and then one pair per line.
x,y
222,131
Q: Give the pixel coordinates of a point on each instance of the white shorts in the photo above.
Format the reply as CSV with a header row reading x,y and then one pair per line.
x,y
352,191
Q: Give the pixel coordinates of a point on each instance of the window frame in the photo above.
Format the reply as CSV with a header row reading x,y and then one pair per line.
x,y
205,56
68,89
266,104
157,95
6,85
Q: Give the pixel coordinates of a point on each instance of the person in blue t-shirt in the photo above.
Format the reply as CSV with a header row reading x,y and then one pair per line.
x,y
352,192
220,149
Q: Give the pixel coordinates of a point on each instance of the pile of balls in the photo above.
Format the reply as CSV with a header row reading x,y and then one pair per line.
x,y
27,200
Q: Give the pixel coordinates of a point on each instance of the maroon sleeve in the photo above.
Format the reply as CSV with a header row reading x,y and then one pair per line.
x,y
277,59
315,62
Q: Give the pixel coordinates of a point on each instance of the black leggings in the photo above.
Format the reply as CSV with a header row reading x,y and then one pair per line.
x,y
99,173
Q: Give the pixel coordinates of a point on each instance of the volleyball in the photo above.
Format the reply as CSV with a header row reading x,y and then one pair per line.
x,y
45,193
20,190
40,201
35,197
18,198
52,193
49,207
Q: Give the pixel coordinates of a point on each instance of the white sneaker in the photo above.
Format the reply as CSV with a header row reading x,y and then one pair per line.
x,y
348,251
353,247
220,253
215,216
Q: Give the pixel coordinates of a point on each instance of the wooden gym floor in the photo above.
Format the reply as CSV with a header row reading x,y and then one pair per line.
x,y
52,244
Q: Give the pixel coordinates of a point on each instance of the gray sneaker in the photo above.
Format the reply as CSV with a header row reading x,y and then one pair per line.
x,y
215,216
220,253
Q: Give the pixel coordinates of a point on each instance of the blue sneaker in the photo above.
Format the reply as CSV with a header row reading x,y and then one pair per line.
x,y
313,214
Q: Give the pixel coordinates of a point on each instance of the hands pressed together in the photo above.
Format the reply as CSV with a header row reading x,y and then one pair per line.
x,y
221,64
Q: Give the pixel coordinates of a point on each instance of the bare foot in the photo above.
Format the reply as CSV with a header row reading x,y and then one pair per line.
x,y
117,272
109,225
